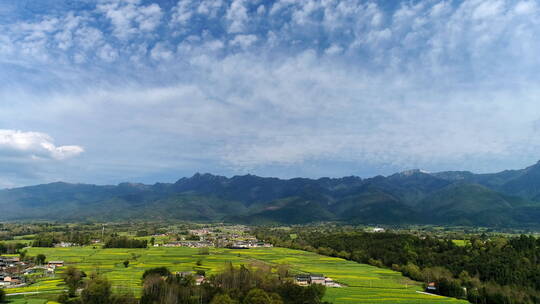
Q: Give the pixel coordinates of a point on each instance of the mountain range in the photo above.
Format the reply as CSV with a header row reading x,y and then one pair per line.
x,y
504,199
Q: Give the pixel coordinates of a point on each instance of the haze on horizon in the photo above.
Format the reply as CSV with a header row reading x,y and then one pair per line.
x,y
108,91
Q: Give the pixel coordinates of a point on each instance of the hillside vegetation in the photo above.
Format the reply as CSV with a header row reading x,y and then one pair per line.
x,y
508,198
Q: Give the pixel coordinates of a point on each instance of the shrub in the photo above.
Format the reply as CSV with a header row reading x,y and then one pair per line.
x,y
161,271
222,299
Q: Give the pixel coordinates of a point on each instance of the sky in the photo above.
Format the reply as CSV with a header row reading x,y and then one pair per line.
x,y
107,91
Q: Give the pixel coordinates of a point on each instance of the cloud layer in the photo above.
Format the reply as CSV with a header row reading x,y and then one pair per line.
x,y
156,90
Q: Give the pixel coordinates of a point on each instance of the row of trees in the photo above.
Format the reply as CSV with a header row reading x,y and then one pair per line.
x,y
79,238
11,248
235,285
96,290
497,270
248,285
125,242
50,239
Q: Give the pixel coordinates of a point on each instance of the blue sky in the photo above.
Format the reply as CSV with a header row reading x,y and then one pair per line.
x,y
131,90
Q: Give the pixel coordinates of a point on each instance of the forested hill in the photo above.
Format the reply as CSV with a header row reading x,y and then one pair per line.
x,y
508,198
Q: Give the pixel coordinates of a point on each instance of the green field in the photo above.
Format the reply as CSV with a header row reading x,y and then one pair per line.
x,y
365,284
461,242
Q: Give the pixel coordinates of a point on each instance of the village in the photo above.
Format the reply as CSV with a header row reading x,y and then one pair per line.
x,y
216,237
15,272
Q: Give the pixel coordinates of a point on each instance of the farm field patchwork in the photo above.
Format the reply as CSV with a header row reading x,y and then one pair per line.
x,y
365,283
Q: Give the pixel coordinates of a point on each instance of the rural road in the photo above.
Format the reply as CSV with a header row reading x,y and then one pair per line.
x,y
31,292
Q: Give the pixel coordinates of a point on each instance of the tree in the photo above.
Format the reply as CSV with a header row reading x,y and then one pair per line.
x,y
152,241
63,298
161,271
124,299
126,263
283,271
97,291
222,299
315,293
257,296
40,259
73,278
2,296
276,299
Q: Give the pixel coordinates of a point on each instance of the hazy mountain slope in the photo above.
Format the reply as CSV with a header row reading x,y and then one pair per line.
x,y
251,189
410,186
373,205
453,197
294,210
523,183
526,184
470,204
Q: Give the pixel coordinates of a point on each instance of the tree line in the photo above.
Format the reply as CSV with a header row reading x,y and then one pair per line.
x,y
125,242
503,270
11,248
50,239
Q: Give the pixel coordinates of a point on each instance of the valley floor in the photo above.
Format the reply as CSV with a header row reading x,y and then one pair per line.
x,y
365,283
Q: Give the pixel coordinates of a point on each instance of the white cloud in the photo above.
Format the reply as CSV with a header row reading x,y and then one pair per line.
x,y
130,18
333,49
261,9
161,52
107,53
237,16
209,8
34,145
243,41
149,17
213,45
526,7
65,36
89,37
183,11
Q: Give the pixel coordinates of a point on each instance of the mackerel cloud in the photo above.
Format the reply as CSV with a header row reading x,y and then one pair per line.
x,y
167,88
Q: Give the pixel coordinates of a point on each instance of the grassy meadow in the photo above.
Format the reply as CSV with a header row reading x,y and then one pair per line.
x,y
365,283
461,242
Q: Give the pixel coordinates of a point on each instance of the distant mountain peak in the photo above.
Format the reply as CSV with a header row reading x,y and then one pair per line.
x,y
413,172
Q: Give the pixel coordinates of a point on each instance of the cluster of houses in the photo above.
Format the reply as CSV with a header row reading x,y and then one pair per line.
x,y
199,279
218,237
302,280
190,244
13,271
309,279
200,232
229,244
249,244
64,245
